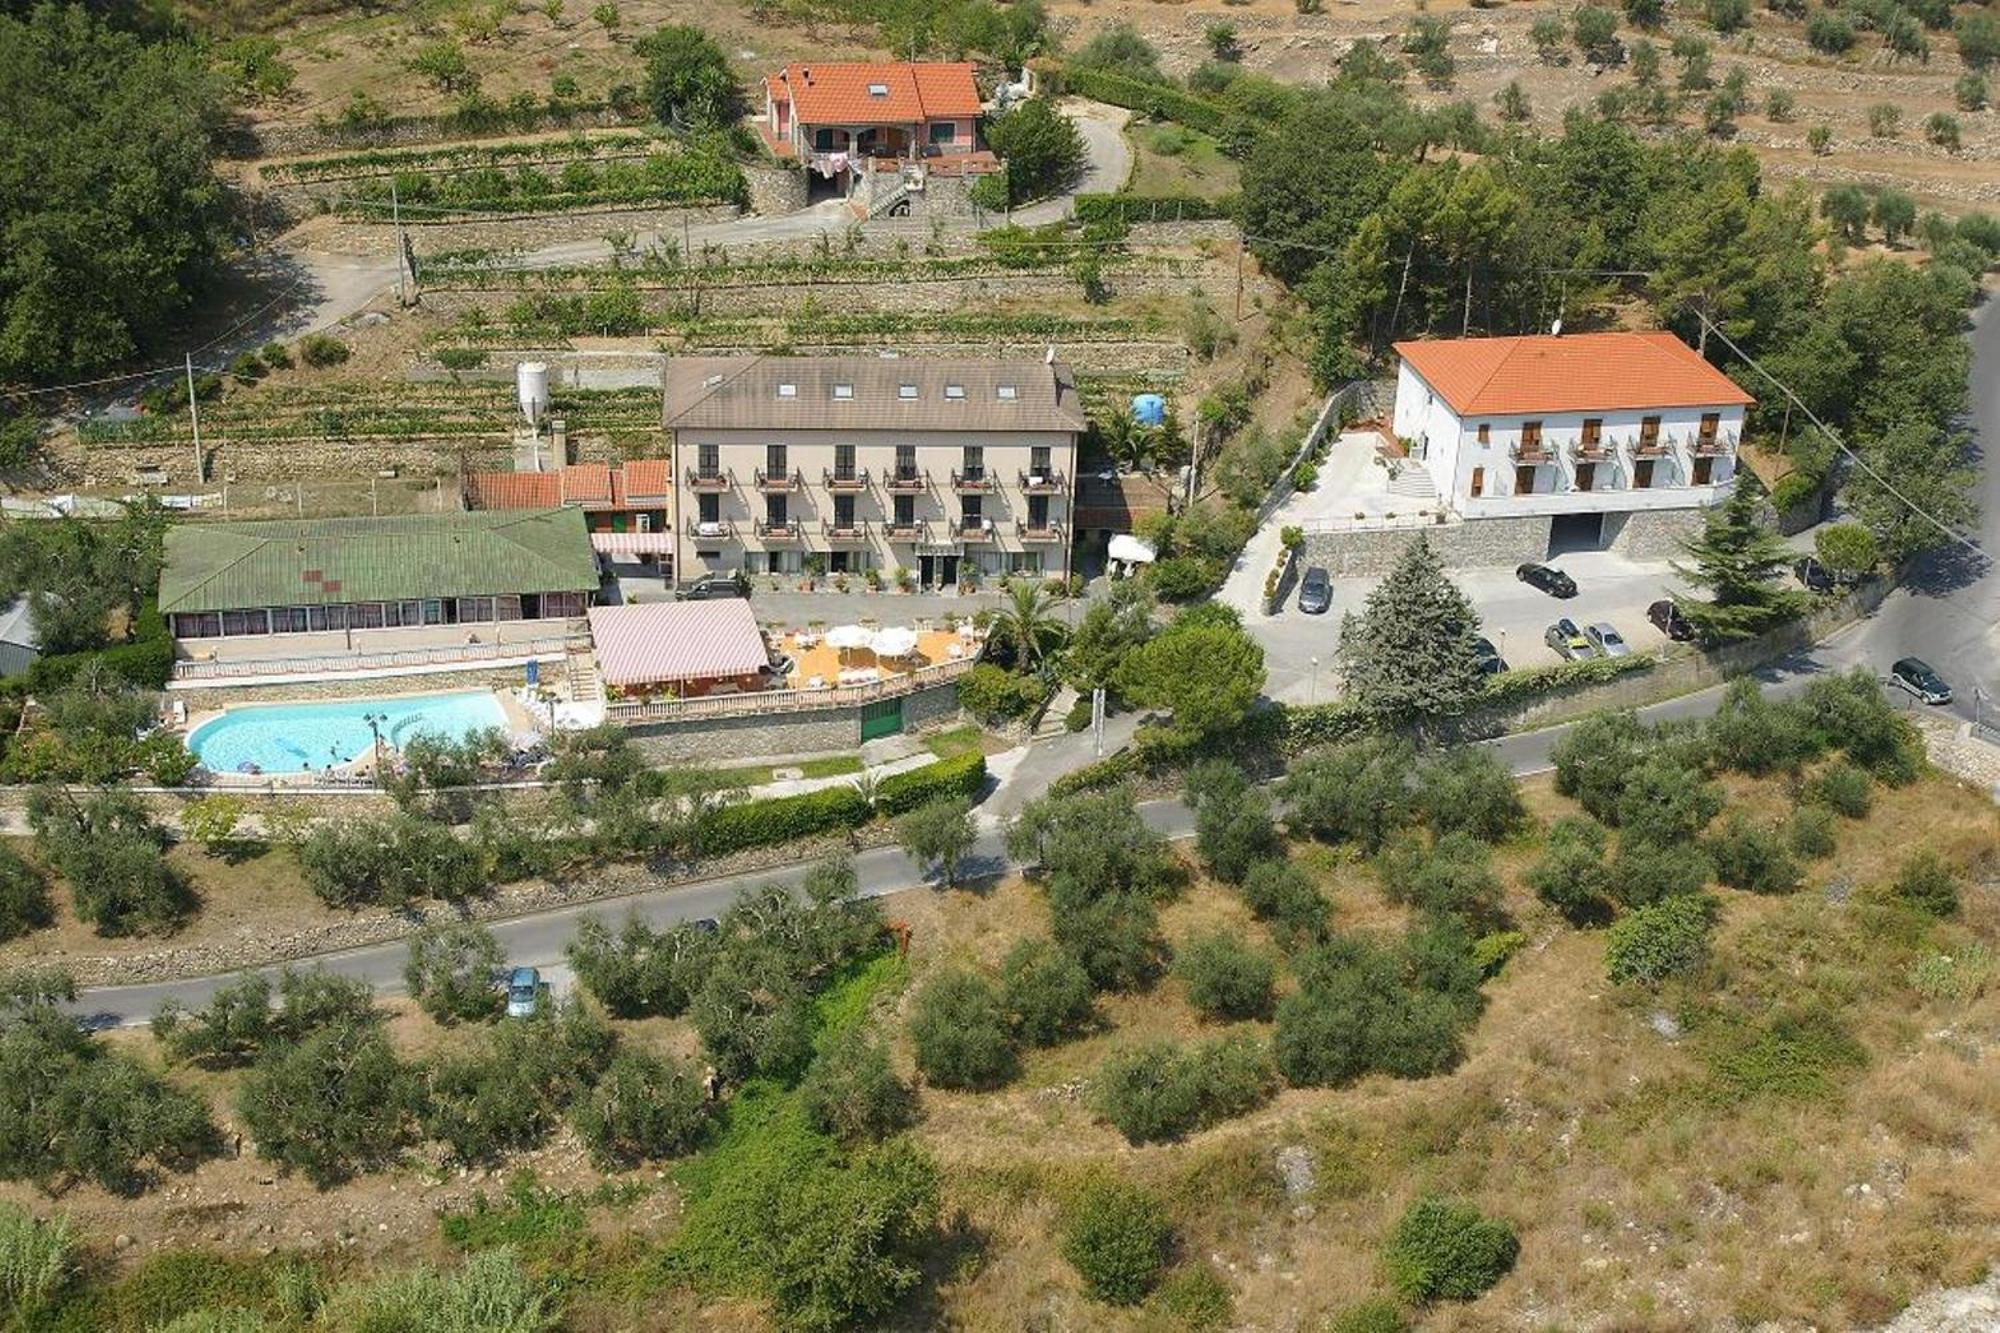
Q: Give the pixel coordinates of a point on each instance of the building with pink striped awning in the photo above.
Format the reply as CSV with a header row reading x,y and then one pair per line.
x,y
684,648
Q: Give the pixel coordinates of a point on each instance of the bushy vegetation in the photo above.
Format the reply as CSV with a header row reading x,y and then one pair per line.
x,y
1662,939
1163,1091
1102,869
1045,991
643,1108
1116,1236
1365,1007
112,856
961,1032
1446,1250
453,972
1225,978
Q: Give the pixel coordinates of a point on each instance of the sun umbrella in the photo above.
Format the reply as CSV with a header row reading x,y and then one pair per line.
x,y
848,637
896,641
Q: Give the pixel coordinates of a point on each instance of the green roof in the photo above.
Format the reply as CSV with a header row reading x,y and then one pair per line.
x,y
233,566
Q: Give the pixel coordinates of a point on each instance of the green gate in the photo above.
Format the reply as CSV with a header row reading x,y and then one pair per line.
x,y
883,718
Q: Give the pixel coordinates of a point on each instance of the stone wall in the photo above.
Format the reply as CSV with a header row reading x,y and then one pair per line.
x,y
406,131
821,731
775,189
535,231
200,696
1471,544
1651,534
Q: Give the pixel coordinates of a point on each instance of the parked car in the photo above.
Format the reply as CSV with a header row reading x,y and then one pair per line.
x,y
1568,640
1916,676
1548,578
1668,620
1607,641
1813,576
524,992
710,586
1490,661
1315,591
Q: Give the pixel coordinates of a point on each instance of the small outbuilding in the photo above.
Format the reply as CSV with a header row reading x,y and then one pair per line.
x,y
20,645
679,648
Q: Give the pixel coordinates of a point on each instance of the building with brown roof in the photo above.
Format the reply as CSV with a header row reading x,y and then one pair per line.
x,y
628,508
1584,425
844,121
950,469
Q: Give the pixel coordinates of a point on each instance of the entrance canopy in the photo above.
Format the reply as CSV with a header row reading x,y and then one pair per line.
x,y
677,643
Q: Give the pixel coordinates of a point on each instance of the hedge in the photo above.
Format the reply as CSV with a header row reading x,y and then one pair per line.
x,y
1513,686
947,779
1130,208
1163,102
747,824
1106,772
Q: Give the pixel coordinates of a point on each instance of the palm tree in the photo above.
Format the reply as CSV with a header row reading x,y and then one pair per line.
x,y
1028,626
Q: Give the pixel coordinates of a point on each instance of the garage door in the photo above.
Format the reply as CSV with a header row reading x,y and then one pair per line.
x,y
883,718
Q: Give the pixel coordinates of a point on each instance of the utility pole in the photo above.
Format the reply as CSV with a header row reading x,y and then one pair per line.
x,y
194,419
403,295
687,239
1239,279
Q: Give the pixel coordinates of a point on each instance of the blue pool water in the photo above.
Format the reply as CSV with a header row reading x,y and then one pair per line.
x,y
285,738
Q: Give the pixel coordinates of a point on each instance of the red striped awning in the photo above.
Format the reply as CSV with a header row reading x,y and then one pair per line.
x,y
632,543
662,642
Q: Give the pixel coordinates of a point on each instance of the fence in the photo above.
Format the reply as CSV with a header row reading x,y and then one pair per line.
x,y
442,655
765,702
1356,394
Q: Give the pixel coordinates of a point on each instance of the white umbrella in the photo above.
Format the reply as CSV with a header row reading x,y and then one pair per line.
x,y
844,637
896,641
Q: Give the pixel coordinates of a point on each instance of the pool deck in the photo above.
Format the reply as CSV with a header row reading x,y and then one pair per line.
x,y
519,723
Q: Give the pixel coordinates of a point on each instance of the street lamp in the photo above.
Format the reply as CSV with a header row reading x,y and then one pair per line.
x,y
1314,696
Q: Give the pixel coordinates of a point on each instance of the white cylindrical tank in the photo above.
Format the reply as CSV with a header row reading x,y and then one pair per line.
x,y
532,379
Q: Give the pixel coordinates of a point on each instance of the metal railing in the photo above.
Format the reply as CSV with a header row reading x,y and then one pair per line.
x,y
1038,532
974,482
1049,482
853,530
910,481
795,480
762,702
845,481
334,663
720,480
789,529
720,529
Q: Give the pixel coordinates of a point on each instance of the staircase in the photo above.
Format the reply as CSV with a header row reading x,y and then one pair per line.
x,y
580,669
1054,716
1414,482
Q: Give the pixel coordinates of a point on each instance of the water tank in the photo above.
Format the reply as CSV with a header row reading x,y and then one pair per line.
x,y
532,380
1149,409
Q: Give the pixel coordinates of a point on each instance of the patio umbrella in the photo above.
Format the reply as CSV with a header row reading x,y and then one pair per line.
x,y
896,641
847,637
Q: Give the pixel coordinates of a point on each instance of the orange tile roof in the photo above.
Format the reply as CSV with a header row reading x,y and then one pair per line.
x,y
1576,372
591,485
513,490
583,483
838,94
649,477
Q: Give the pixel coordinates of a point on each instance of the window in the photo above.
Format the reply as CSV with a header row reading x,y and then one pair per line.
x,y
368,615
955,392
1024,562
975,463
710,507
1642,474
843,393
1593,432
906,511
1038,461
906,462
1485,432
1531,437
843,462
1704,472
470,609
1478,482
823,140
843,512
1586,476
709,458
973,508
1524,481
878,90
775,464
1038,512
788,391
944,131
775,511
1649,432
1006,393
507,606
1711,422
906,392
288,620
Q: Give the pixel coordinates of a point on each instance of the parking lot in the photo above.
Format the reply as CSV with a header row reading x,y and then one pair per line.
x,y
1512,614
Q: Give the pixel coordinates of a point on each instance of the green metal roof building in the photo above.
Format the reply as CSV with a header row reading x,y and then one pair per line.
x,y
288,576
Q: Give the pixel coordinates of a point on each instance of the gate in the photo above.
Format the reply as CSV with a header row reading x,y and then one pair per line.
x,y
884,717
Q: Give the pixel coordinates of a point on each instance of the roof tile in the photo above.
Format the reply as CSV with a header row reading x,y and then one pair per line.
x,y
836,93
742,393
1576,372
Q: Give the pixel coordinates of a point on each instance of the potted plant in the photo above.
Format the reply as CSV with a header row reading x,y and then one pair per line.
x,y
874,579
905,580
840,583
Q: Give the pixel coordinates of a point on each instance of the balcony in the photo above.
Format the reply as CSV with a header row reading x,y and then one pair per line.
x,y
1653,446
1592,451
777,483
1043,533
1042,483
714,529
710,482
846,482
974,483
974,530
852,532
912,530
783,530
907,481
1534,450
1714,446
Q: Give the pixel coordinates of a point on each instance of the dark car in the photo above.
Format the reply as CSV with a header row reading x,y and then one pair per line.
x,y
1315,591
1490,661
1568,640
711,586
1548,578
1668,620
1813,576
1915,675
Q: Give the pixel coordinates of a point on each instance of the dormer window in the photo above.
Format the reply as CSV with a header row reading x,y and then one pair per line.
x,y
788,391
843,392
1006,393
955,392
907,392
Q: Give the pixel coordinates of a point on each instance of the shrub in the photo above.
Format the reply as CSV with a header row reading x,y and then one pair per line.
x,y
1490,952
1829,33
1594,758
852,1093
1116,1236
960,778
1812,831
1926,883
1364,1007
110,853
1666,802
1571,875
764,823
1941,128
1453,875
639,971
854,1239
960,1032
1596,32
24,897
1664,939
1726,16
452,972
1467,789
1358,790
1194,1300
1747,856
492,1291
1969,92
1444,1250
995,694
1843,788
1751,734
1645,872
1233,825
334,1104
1884,120
1378,1316
646,1107
320,350
1045,992
1225,978
1284,895
388,861
1779,105
37,1260
1115,938
1161,1091
483,1104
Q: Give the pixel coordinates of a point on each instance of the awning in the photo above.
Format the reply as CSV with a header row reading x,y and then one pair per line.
x,y
632,543
1131,550
662,642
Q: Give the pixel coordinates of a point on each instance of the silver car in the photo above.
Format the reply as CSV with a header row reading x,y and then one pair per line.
x,y
1607,641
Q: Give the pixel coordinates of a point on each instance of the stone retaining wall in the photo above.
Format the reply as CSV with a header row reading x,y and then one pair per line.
x,y
822,730
775,189
1652,534
535,231
1471,544
199,697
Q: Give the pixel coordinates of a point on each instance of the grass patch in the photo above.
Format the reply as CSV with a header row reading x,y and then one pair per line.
x,y
955,742
1794,1054
1170,159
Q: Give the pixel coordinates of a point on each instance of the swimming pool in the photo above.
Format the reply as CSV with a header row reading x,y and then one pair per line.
x,y
287,738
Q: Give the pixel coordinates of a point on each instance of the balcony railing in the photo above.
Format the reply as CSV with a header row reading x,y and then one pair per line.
x,y
698,480
907,481
712,528
782,530
852,531
914,530
846,482
1038,532
973,483
1042,483
1530,451
776,483
1592,451
1714,446
975,530
1656,447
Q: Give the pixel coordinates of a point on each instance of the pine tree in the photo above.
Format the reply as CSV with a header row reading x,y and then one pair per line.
x,y
1412,655
1737,559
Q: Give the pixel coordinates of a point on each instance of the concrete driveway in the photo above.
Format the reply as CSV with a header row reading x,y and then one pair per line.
x,y
1512,614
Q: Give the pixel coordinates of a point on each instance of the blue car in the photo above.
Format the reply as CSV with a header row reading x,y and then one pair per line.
x,y
524,992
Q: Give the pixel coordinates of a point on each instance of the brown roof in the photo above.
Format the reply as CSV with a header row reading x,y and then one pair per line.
x,y
887,393
1576,372
591,485
835,94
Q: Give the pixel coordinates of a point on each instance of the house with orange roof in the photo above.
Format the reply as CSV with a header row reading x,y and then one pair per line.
x,y
1589,430
627,507
847,123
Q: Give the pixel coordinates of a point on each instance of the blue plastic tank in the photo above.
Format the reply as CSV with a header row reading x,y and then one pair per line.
x,y
1149,409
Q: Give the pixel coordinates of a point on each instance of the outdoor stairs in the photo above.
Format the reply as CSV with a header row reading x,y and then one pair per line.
x,y
580,668
1414,482
879,207
1053,717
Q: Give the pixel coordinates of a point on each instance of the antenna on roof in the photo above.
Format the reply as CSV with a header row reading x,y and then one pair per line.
x,y
1555,329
